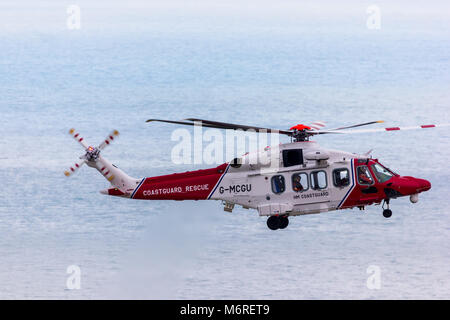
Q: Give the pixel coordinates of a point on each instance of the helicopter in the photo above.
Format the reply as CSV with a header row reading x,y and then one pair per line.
x,y
295,178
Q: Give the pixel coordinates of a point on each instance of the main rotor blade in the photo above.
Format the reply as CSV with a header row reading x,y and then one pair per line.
x,y
317,125
225,125
427,126
359,125
221,125
184,123
174,122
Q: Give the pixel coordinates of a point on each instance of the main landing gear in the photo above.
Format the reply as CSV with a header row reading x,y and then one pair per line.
x,y
387,213
277,222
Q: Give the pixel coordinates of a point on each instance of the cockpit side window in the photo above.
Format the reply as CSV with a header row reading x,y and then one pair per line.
x,y
364,176
381,173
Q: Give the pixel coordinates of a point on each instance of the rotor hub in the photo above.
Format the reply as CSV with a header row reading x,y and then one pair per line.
x,y
300,135
92,154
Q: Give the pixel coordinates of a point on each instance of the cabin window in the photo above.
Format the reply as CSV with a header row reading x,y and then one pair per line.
x,y
318,180
364,176
300,182
341,177
278,184
236,163
293,157
381,173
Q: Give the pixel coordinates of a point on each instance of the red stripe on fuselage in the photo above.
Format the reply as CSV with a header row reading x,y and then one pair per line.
x,y
392,129
191,185
428,126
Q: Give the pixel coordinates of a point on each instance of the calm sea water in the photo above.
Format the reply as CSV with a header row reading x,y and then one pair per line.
x,y
263,63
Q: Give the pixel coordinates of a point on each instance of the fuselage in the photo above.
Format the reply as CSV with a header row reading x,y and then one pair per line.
x,y
291,179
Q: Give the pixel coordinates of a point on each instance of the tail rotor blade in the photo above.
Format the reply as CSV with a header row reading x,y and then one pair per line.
x,y
74,168
77,137
109,139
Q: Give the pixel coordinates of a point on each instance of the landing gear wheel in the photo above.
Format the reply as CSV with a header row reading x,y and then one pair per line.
x,y
387,213
273,222
284,222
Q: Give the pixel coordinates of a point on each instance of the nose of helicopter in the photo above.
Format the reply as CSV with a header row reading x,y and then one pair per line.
x,y
410,185
424,185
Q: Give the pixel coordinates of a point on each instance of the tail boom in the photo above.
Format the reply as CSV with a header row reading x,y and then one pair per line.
x,y
122,184
191,185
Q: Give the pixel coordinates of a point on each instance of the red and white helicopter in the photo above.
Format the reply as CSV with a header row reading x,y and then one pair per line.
x,y
295,178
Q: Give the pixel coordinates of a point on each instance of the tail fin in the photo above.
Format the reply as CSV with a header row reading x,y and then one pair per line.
x,y
122,184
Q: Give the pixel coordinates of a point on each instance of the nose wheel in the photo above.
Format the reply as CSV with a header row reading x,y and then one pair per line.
x,y
277,222
387,213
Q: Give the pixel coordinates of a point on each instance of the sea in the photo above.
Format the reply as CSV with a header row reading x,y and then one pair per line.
x,y
104,65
